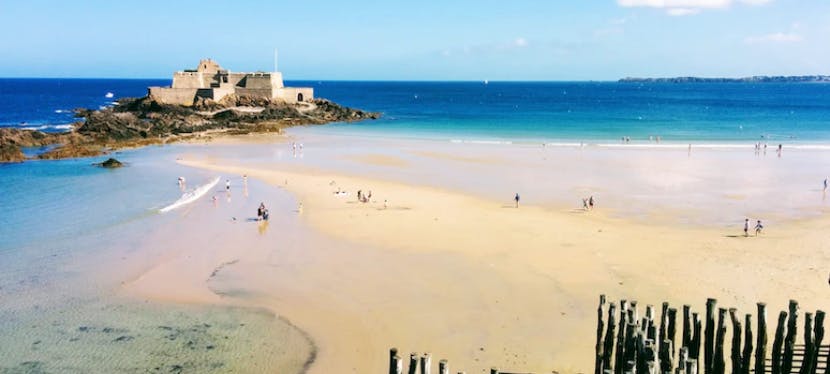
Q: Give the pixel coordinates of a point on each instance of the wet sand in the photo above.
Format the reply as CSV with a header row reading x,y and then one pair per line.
x,y
449,266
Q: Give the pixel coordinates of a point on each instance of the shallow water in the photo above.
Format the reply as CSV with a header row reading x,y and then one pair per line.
x,y
73,234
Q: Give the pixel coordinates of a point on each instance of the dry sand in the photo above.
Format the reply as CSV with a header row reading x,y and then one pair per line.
x,y
469,278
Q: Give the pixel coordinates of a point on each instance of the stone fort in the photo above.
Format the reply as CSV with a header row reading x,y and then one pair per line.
x,y
210,81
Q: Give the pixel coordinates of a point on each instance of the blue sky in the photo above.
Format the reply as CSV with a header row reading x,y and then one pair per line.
x,y
418,40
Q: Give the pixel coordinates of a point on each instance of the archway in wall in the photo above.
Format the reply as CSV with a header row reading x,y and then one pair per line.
x,y
300,97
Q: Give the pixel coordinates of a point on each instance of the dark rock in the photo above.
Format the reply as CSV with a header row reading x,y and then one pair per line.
x,y
111,163
138,122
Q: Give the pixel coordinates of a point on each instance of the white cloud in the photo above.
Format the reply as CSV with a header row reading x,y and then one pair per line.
x,y
778,37
520,42
682,11
687,7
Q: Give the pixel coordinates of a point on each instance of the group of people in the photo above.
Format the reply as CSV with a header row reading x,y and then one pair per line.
x,y
262,213
758,227
364,197
588,203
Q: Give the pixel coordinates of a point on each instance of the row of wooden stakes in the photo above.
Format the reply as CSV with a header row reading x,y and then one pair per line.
x,y
424,362
647,345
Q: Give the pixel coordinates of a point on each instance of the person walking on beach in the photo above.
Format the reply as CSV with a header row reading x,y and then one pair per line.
x,y
825,184
517,199
585,203
746,227
359,195
758,227
591,202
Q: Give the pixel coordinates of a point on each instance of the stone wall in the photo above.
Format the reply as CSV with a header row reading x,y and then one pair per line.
x,y
180,96
291,95
184,79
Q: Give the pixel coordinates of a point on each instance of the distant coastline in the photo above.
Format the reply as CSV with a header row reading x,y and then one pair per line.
x,y
753,79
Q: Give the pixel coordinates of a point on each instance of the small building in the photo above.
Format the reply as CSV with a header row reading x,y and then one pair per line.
x,y
210,81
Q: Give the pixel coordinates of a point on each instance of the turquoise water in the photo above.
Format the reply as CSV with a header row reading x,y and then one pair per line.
x,y
593,112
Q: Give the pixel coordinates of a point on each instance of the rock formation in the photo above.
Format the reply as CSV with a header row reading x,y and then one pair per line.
x,y
137,122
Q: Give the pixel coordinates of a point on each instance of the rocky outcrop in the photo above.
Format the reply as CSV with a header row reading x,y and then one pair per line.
x,y
137,122
110,163
753,79
11,153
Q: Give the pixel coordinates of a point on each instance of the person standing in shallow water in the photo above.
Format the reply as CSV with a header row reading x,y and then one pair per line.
x,y
517,199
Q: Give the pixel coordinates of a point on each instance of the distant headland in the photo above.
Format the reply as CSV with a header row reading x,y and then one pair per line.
x,y
753,79
200,103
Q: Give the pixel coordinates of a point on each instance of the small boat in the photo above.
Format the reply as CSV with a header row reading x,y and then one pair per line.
x,y
109,95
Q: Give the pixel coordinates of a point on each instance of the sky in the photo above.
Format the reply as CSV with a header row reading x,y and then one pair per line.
x,y
418,40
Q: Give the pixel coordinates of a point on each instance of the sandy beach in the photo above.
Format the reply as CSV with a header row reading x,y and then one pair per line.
x,y
441,262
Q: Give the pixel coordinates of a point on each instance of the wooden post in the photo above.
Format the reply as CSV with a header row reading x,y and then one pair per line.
x,y
747,353
619,358
395,362
819,334
719,364
443,368
709,342
694,349
630,344
672,329
761,343
651,359
413,363
666,364
777,342
392,353
647,327
426,363
687,326
736,342
789,341
608,348
600,327
691,366
682,357
664,316
807,360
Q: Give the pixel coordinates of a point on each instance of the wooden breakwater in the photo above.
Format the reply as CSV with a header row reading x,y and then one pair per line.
x,y
629,344
632,344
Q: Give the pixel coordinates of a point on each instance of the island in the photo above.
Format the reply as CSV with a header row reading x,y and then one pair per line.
x,y
200,104
753,79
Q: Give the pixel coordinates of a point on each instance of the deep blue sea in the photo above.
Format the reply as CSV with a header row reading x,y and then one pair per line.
x,y
504,111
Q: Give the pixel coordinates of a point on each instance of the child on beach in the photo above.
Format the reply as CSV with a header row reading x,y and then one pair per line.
x,y
517,199
746,227
591,202
758,228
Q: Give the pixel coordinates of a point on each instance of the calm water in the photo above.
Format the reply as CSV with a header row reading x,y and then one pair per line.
x,y
509,111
